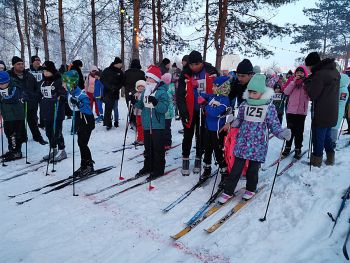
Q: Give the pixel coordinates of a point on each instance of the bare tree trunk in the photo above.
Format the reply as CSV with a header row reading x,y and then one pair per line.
x,y
44,28
122,34
62,36
219,36
94,32
135,35
325,35
154,31
206,36
347,57
26,28
19,29
159,20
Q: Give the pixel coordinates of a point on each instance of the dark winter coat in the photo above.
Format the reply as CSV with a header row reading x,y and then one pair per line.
x,y
37,73
185,93
11,107
132,75
29,87
58,94
237,91
81,81
112,79
323,90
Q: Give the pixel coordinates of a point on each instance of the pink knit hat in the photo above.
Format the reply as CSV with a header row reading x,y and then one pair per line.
x,y
166,78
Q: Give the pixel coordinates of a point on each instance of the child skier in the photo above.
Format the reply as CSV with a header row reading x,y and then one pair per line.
x,y
170,114
140,87
278,101
98,95
297,109
12,111
52,105
85,122
154,104
254,115
217,105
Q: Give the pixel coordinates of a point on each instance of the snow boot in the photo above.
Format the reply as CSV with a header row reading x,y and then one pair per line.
x,y
224,198
41,141
224,174
286,151
197,165
248,195
116,124
86,169
330,158
5,155
12,156
316,161
142,172
297,154
61,155
206,173
52,154
185,167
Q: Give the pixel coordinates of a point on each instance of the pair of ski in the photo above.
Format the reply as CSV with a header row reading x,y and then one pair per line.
x,y
36,166
57,185
198,218
345,197
146,181
141,154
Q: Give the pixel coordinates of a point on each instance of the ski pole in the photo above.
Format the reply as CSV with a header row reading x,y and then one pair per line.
x,y
52,140
200,140
125,134
26,129
74,174
216,177
273,184
341,128
2,138
54,133
310,147
150,187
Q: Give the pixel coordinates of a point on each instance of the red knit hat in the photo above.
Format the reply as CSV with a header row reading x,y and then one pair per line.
x,y
154,72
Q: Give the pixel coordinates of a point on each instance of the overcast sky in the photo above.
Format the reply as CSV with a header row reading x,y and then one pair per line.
x,y
286,59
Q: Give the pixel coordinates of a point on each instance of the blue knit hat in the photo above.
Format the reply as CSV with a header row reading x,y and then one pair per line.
x,y
4,77
220,80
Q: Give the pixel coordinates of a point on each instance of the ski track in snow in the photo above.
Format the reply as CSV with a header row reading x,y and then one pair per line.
x,y
132,228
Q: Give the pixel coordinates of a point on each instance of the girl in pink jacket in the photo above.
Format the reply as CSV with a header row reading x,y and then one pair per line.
x,y
297,108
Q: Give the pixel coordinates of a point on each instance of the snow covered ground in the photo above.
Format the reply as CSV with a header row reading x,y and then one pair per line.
x,y
131,227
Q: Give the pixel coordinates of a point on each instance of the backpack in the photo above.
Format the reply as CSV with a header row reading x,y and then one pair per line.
x,y
229,145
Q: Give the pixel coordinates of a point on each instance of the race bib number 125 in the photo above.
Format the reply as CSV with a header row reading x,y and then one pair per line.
x,y
255,113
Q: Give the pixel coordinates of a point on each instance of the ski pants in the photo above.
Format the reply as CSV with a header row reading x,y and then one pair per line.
x,y
15,134
296,122
216,144
55,138
32,119
188,136
154,152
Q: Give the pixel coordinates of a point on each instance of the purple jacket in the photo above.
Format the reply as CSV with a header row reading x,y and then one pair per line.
x,y
252,138
298,101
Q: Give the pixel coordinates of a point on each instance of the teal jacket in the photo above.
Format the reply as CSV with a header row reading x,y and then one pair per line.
x,y
158,112
343,98
171,109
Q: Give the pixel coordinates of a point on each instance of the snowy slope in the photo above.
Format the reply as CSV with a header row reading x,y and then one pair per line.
x,y
131,227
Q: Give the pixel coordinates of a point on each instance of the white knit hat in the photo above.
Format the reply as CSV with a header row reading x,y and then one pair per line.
x,y
140,83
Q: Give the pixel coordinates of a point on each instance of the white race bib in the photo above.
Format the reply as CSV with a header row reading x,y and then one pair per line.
x,y
4,92
47,91
148,91
37,75
255,113
71,106
277,96
201,85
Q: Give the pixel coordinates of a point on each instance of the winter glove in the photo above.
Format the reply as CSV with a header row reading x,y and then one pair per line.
x,y
201,100
25,97
285,134
230,118
236,123
153,100
75,101
214,103
133,99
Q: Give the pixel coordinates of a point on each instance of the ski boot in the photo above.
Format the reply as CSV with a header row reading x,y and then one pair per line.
x,y
248,195
197,165
60,155
142,172
206,173
297,154
185,167
52,154
286,152
12,156
224,198
116,124
86,169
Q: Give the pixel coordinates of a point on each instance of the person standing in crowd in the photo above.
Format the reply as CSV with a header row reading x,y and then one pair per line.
x,y
27,83
2,66
165,66
52,104
98,95
244,74
154,104
197,77
323,89
170,114
89,87
184,63
252,142
84,120
297,108
175,74
139,87
113,80
279,100
12,112
37,71
215,106
343,98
